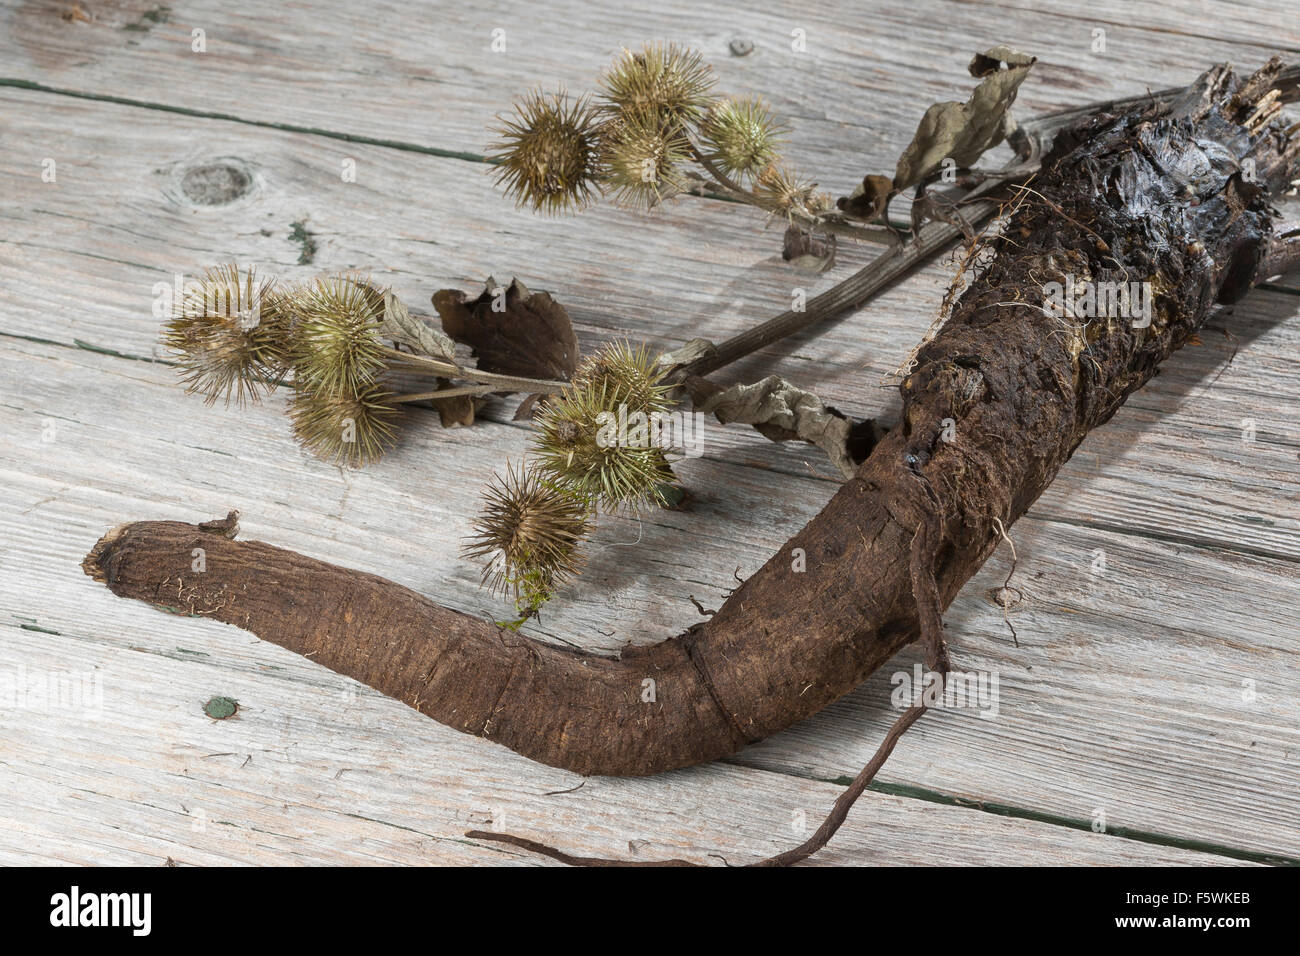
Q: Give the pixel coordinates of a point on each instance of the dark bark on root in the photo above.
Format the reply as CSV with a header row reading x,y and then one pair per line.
x,y
1154,195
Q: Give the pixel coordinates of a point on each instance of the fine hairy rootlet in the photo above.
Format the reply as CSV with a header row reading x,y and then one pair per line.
x,y
1173,197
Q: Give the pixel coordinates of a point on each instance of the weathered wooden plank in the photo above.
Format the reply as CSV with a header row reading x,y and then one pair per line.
x,y
1183,27
81,256
325,771
1173,465
1125,695
1139,691
427,75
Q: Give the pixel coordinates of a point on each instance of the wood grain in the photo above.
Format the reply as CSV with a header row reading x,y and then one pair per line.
x,y
428,76
66,240
328,772
1127,694
1146,654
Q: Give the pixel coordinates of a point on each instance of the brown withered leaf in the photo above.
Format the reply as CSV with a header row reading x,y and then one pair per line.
x,y
512,331
455,411
808,251
868,199
962,132
527,407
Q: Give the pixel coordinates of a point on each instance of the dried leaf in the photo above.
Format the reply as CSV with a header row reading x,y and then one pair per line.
x,y
455,411
991,60
807,251
527,407
867,201
399,325
781,412
962,132
511,330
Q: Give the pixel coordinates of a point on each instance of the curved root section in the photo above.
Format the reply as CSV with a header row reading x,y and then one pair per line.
x,y
1153,201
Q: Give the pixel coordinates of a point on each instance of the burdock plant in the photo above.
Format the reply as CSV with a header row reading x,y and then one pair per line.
x,y
780,190
341,411
230,335
235,335
595,451
643,155
529,531
742,136
781,649
336,343
663,80
352,427
654,128
549,155
630,375
611,474
597,439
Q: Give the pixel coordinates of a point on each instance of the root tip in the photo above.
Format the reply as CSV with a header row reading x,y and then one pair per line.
x,y
97,563
93,563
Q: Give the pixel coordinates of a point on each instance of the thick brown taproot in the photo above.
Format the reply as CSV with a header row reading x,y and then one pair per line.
x,y
1171,196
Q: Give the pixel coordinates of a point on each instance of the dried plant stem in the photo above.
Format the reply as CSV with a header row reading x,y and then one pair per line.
x,y
849,294
455,392
860,287
881,271
541,849
901,257
515,383
725,185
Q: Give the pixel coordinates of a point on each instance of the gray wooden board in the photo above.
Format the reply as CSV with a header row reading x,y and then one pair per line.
x,y
1155,691
427,75
1100,650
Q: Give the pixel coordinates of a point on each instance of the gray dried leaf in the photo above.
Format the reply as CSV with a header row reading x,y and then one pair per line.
x,y
399,325
963,132
782,412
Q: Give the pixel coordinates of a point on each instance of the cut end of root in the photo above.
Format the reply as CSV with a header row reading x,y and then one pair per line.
x,y
93,563
96,563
